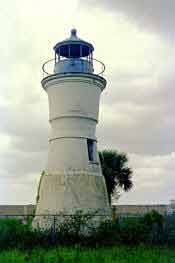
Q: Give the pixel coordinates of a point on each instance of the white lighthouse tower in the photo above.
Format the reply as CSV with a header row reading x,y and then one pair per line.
x,y
73,179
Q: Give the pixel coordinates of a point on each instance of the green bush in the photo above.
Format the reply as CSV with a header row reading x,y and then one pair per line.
x,y
75,229
152,218
168,236
11,233
15,234
155,223
133,231
107,233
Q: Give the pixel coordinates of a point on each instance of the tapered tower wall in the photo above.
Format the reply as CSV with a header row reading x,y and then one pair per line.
x,y
72,181
73,106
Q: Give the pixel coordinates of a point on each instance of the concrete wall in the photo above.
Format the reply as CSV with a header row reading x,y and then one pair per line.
x,y
139,209
17,209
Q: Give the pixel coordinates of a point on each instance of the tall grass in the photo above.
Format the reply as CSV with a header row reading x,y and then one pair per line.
x,y
121,254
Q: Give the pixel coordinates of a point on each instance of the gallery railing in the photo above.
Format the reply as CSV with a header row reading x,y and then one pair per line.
x,y
95,66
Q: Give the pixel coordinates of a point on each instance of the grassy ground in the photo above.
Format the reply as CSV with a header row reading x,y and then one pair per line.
x,y
122,254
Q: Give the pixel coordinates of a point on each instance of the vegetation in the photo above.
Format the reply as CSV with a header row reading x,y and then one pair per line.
x,y
148,239
116,172
81,230
118,254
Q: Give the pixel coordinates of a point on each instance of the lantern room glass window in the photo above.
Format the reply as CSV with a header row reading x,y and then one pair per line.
x,y
74,51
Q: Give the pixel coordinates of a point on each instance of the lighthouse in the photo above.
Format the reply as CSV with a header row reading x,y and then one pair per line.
x,y
73,177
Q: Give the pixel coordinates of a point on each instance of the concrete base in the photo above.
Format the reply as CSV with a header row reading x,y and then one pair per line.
x,y
67,193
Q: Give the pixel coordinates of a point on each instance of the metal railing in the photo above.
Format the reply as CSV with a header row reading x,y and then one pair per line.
x,y
49,65
55,219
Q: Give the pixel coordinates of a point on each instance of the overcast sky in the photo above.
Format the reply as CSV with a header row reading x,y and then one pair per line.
x,y
136,41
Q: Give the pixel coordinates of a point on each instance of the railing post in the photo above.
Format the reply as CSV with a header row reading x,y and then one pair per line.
x,y
53,230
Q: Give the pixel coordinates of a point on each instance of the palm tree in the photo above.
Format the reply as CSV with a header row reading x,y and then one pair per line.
x,y
116,172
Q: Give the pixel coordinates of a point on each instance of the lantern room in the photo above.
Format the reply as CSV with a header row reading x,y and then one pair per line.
x,y
73,55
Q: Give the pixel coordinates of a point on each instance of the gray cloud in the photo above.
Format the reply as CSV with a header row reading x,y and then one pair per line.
x,y
136,109
19,164
13,192
157,16
150,183
138,118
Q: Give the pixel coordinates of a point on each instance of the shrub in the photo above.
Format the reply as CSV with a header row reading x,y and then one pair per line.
x,y
152,218
168,236
15,234
107,233
133,231
75,229
11,232
154,222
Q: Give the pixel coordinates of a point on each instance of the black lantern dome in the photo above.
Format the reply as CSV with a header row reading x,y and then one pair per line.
x,y
73,47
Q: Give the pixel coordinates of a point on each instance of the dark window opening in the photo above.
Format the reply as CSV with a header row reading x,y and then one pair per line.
x,y
90,145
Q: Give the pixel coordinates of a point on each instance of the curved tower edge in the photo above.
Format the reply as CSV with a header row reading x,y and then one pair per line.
x,y
95,79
